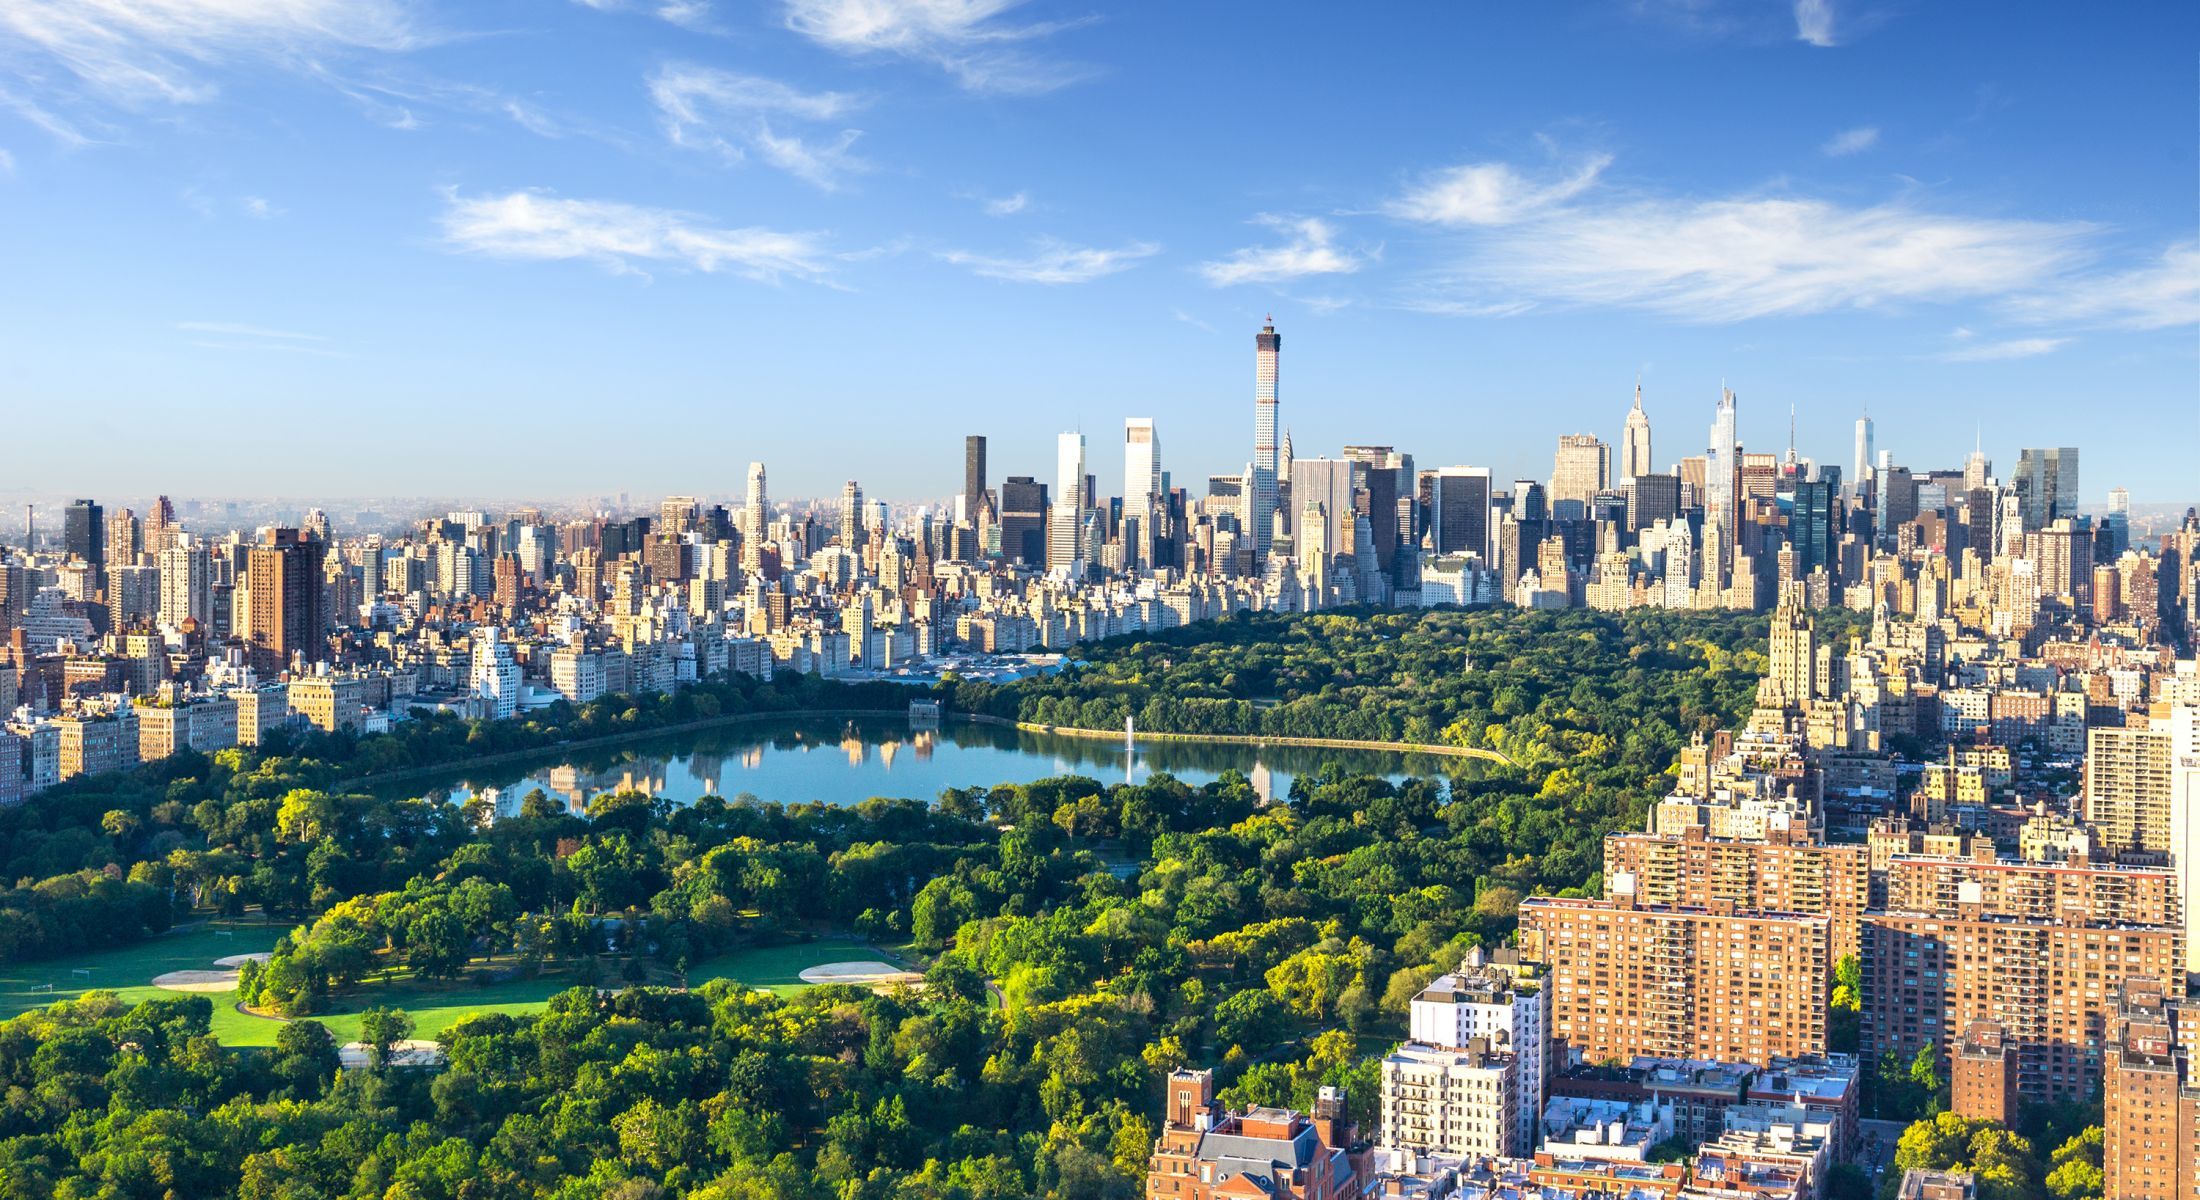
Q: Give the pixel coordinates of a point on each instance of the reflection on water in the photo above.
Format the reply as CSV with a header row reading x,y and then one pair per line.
x,y
844,761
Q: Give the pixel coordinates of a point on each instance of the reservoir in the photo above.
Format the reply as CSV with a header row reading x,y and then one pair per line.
x,y
842,760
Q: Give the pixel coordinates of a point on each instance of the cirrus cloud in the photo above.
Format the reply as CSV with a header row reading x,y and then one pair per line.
x,y
1851,141
2000,351
136,52
1721,259
732,115
1053,262
1311,250
965,38
2161,294
624,238
1491,193
1733,259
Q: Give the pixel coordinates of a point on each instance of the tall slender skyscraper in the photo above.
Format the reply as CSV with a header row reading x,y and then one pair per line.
x,y
1141,488
1267,350
1634,447
973,476
1722,467
851,516
1066,520
1141,466
755,521
1862,467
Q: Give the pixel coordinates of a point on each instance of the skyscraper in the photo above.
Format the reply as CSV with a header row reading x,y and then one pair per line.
x,y
1141,488
1376,496
851,515
755,521
1722,468
186,585
1811,526
973,476
1327,482
1581,468
2046,484
284,612
1634,447
1024,521
84,537
1459,511
1141,467
1065,523
1861,469
1267,350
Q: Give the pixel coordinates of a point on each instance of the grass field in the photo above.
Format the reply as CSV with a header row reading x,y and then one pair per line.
x,y
22,985
778,969
433,1007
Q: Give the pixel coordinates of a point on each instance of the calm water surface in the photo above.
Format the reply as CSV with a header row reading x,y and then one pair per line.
x,y
844,761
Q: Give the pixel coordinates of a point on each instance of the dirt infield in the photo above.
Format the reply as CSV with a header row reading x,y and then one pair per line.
x,y
238,960
867,974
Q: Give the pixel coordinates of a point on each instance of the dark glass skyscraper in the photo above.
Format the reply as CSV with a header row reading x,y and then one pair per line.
x,y
1810,525
1024,521
973,475
2047,485
84,536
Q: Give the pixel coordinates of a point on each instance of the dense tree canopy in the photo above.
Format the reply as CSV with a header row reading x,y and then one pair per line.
x,y
1081,939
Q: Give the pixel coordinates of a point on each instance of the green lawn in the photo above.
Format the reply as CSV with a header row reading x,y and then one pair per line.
x,y
191,948
778,969
433,1006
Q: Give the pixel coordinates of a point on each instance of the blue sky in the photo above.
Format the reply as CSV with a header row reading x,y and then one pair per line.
x,y
377,247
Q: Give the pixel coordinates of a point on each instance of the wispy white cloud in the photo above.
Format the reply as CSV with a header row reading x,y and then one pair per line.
x,y
1008,206
1735,258
621,237
1491,193
697,15
159,51
966,38
1054,262
1311,250
236,336
259,208
7,162
2162,294
61,129
236,329
1814,22
1851,141
1974,351
395,98
1434,302
731,115
1186,318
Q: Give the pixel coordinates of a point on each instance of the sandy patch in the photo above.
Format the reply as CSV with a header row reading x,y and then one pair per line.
x,y
197,981
871,972
411,1053
238,960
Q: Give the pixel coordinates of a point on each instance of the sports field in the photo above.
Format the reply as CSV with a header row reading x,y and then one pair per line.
x,y
434,1007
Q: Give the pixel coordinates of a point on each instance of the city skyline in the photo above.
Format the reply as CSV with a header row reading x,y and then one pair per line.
x,y
530,220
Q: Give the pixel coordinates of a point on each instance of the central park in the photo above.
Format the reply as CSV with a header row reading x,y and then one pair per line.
x,y
973,993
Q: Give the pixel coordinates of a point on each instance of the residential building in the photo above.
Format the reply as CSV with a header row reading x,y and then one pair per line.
x,y
1677,981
